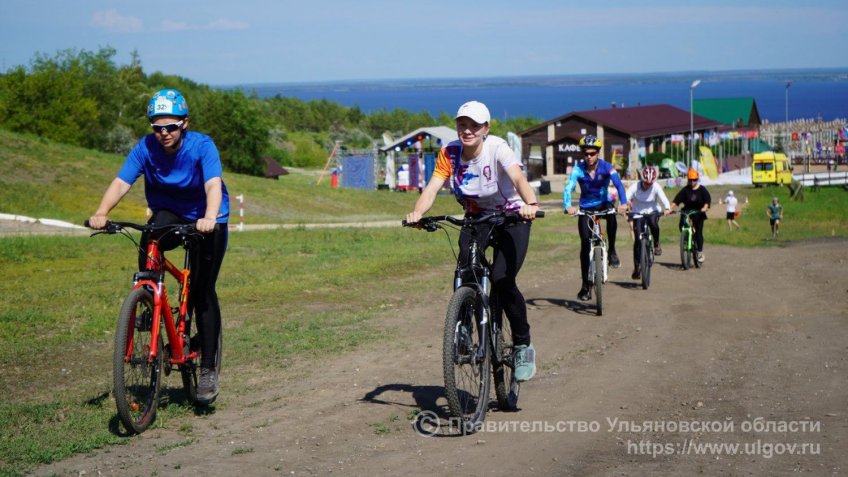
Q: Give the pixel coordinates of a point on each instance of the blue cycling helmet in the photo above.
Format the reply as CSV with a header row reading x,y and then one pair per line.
x,y
167,102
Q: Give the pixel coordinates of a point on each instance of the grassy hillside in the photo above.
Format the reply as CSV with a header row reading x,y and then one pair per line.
x,y
286,295
45,179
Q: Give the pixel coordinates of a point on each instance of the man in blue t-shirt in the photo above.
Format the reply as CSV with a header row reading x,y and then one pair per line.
x,y
594,176
182,183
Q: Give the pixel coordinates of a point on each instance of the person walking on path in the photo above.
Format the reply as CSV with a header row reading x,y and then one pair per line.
x,y
730,203
775,215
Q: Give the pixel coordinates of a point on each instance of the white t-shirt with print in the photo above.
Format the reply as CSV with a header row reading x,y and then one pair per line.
x,y
481,184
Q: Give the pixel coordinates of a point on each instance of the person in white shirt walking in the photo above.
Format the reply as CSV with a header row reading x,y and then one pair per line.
x,y
730,202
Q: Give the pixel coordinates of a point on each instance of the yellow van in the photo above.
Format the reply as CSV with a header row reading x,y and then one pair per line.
x,y
770,168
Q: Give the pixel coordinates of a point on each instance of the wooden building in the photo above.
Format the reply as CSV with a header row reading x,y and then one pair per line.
x,y
551,149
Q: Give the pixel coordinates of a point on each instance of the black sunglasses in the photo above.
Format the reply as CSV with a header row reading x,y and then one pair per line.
x,y
161,128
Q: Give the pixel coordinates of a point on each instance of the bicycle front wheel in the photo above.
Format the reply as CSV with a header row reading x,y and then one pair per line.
x,y
465,360
136,376
685,253
645,261
503,364
598,263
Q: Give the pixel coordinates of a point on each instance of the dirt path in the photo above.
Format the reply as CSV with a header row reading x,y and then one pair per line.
x,y
748,351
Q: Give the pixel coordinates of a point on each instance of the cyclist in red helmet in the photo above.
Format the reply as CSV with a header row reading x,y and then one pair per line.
x,y
647,197
694,197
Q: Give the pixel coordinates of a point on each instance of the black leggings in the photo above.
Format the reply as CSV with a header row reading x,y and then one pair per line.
x,y
205,262
584,228
509,248
653,226
698,224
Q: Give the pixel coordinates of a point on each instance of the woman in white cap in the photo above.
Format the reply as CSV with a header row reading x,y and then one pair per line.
x,y
486,176
730,203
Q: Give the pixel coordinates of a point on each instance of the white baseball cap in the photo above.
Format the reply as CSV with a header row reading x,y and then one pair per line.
x,y
477,111
730,193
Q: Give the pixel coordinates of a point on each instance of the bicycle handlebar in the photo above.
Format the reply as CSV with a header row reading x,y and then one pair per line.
x,y
430,223
594,213
113,227
638,215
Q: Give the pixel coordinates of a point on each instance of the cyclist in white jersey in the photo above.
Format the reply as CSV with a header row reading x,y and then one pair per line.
x,y
486,177
646,197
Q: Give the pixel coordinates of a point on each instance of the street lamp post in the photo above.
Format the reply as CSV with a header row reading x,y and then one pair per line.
x,y
692,118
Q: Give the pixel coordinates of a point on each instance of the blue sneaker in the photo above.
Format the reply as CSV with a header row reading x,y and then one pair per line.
x,y
525,362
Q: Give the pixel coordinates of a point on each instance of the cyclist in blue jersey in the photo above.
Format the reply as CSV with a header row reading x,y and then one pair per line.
x,y
594,176
182,184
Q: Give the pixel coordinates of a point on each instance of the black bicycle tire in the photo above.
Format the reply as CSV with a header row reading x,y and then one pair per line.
x,y
598,261
507,389
645,263
136,410
189,370
685,257
469,405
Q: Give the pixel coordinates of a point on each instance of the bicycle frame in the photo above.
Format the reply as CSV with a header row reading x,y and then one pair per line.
x,y
598,239
176,329
477,266
689,229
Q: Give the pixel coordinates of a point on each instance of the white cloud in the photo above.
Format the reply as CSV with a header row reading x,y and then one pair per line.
x,y
215,25
113,21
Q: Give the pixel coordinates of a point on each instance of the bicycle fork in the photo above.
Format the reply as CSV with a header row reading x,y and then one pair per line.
x,y
483,288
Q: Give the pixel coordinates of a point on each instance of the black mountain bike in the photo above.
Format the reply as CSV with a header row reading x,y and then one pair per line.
x,y
646,247
477,340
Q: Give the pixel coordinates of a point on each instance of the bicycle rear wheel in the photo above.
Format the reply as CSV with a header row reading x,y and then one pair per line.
x,y
136,378
507,388
598,263
465,360
190,370
685,253
645,262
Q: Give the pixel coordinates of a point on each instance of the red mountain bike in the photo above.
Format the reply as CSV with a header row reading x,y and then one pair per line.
x,y
140,353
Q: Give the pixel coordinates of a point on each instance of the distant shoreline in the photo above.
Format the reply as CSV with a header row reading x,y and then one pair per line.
x,y
784,74
813,93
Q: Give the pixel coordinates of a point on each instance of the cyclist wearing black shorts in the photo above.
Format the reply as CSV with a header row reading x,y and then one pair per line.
x,y
694,197
646,197
183,185
486,177
594,176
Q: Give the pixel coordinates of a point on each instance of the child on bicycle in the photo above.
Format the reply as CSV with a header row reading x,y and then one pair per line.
x,y
594,176
486,176
694,198
182,183
646,197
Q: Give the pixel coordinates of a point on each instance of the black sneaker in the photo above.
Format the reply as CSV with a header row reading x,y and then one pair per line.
x,y
658,250
613,260
207,385
637,274
585,293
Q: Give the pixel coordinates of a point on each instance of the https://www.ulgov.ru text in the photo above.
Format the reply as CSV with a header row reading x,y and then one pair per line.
x,y
693,447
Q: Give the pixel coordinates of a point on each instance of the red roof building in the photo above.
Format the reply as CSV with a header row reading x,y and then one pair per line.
x,y
551,148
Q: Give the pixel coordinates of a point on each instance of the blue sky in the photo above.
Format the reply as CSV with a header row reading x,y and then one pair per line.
x,y
252,41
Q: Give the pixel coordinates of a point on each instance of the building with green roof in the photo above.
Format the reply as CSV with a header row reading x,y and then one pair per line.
x,y
735,113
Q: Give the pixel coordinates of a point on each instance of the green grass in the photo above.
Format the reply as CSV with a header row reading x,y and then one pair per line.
x,y
822,214
286,295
